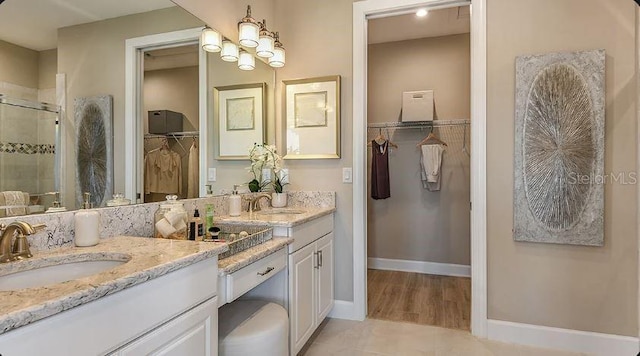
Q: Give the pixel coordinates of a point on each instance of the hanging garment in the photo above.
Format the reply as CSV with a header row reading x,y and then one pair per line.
x,y
380,186
193,179
163,172
430,164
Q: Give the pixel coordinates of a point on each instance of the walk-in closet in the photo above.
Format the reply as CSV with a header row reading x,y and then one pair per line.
x,y
171,154
418,133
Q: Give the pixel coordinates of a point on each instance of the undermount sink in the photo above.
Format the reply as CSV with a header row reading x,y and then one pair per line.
x,y
281,212
44,272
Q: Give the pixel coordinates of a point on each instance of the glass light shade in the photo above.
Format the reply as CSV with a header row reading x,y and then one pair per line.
x,y
265,46
211,40
246,61
249,34
278,59
229,51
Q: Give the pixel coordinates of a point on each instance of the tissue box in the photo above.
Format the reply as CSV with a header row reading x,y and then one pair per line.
x,y
417,106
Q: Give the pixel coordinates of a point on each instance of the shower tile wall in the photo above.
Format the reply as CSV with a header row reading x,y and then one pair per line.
x,y
24,169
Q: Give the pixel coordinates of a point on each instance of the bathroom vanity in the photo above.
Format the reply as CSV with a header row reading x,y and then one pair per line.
x,y
134,295
308,284
162,298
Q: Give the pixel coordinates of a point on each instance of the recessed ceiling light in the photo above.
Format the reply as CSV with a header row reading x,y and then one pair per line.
x,y
422,13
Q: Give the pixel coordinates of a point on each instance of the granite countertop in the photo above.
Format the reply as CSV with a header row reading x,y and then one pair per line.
x,y
284,220
239,260
149,258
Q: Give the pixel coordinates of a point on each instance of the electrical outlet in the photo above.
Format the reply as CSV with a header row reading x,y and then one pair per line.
x,y
284,175
211,175
347,175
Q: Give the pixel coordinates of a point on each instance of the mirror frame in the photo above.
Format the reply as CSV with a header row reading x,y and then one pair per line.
x,y
134,51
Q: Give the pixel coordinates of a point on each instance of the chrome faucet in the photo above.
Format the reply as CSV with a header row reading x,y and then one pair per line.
x,y
254,204
11,251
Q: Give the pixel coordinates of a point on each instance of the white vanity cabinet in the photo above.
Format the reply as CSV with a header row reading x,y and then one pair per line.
x,y
173,314
311,295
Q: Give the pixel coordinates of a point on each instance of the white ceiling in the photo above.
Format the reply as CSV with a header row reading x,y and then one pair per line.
x,y
34,23
443,22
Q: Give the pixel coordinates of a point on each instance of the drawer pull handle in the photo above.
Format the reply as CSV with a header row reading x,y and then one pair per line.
x,y
320,258
269,269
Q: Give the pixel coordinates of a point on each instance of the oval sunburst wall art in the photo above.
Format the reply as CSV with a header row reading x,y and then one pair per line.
x,y
559,158
94,148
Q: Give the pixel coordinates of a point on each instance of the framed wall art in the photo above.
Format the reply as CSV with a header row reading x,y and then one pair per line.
x,y
312,118
239,119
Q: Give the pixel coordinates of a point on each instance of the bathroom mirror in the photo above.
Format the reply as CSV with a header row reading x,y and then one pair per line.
x,y
60,51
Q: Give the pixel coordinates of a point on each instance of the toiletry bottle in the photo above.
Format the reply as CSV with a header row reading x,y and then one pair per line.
x,y
208,218
87,224
235,202
199,228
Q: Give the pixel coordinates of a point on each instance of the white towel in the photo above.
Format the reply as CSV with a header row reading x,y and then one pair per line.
x,y
18,199
431,162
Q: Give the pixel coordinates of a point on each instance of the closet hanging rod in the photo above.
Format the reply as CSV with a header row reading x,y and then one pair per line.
x,y
174,134
417,124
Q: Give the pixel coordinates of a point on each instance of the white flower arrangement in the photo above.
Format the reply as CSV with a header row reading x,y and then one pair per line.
x,y
263,157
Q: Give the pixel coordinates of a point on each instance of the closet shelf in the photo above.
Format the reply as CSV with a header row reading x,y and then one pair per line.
x,y
417,124
174,134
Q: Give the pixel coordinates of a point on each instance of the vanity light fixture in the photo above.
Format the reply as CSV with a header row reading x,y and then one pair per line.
x,y
249,30
266,42
229,51
278,59
246,61
211,40
422,12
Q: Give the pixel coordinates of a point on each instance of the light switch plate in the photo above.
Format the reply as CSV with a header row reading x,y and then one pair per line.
x,y
211,176
266,174
347,175
284,175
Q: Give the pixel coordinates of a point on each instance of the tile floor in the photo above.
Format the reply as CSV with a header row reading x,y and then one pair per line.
x,y
381,337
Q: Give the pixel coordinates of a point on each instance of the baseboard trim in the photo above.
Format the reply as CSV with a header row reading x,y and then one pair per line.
x,y
343,309
443,269
562,339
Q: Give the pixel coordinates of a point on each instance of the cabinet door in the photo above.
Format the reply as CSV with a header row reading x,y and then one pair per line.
x,y
325,277
193,333
302,296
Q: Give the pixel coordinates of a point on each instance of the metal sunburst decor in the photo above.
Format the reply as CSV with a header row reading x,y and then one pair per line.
x,y
558,146
558,197
94,159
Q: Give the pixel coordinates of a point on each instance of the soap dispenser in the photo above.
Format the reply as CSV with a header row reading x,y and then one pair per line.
x,y
87,224
235,202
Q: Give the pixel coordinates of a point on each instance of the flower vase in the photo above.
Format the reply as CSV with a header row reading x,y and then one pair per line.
x,y
278,200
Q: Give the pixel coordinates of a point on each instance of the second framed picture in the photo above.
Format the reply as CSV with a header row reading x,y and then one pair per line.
x,y
239,116
312,118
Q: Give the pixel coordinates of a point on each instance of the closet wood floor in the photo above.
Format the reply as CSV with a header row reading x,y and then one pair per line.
x,y
419,298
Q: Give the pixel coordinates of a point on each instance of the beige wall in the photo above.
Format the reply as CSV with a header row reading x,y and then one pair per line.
x,y
18,65
414,223
223,73
224,15
173,89
438,63
47,68
93,58
583,288
564,286
317,37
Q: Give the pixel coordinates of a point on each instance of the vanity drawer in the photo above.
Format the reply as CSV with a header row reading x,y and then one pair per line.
x,y
307,233
248,277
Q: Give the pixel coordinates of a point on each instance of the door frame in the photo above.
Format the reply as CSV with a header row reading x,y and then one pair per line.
x,y
133,115
362,11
